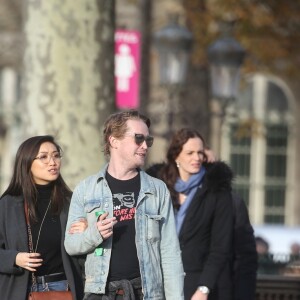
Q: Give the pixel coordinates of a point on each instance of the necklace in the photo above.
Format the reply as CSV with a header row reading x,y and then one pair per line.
x,y
38,238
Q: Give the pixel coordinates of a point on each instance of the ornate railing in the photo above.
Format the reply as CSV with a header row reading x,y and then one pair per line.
x,y
278,287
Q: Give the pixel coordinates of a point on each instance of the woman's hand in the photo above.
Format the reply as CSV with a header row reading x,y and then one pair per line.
x,y
105,225
29,261
199,296
210,156
78,226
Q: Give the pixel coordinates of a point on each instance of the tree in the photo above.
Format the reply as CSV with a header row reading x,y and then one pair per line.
x,y
269,30
68,80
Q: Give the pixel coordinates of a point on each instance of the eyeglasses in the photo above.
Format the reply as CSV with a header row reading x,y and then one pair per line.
x,y
140,138
45,158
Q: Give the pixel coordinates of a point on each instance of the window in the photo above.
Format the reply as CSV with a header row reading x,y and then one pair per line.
x,y
259,140
240,157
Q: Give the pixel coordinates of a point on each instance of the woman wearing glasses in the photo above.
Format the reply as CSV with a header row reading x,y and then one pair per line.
x,y
37,190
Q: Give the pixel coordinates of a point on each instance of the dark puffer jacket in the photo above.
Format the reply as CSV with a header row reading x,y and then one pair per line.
x,y
240,274
206,235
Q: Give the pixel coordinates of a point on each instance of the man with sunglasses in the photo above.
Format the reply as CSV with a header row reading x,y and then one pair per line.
x,y
131,242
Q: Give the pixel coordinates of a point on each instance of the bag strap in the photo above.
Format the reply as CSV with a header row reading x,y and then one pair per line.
x,y
30,242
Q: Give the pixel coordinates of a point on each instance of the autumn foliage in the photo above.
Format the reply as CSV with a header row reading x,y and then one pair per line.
x,y
269,30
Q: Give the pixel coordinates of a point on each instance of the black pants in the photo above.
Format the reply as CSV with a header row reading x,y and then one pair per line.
x,y
112,296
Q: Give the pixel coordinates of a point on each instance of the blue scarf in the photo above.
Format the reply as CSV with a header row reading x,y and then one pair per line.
x,y
188,188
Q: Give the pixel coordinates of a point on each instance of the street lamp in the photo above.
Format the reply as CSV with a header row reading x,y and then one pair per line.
x,y
226,57
173,43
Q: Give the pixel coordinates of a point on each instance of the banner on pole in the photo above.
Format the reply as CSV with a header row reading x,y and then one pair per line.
x,y
127,68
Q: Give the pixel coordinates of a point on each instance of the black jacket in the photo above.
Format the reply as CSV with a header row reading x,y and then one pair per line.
x,y
206,235
13,239
245,255
243,266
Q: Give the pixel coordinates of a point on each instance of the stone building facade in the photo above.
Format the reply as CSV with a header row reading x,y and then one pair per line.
x,y
259,137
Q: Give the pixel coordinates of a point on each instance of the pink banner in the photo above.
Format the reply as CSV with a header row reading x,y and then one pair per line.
x,y
127,68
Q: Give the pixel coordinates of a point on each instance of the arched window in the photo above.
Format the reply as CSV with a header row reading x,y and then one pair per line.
x,y
260,149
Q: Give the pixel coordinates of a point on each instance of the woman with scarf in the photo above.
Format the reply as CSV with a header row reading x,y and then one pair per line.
x,y
201,195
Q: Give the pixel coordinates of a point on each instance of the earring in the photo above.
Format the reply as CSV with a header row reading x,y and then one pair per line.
x,y
177,164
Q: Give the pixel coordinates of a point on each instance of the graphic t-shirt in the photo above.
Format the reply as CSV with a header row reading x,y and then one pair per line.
x,y
124,263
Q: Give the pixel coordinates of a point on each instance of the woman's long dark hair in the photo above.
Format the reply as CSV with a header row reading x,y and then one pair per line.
x,y
169,172
22,183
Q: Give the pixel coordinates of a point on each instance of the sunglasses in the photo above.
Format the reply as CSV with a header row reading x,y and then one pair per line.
x,y
140,138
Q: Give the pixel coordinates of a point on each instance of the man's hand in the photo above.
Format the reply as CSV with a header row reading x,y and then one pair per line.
x,y
105,225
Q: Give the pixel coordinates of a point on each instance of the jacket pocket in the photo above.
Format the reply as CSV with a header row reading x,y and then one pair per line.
x,y
153,227
91,205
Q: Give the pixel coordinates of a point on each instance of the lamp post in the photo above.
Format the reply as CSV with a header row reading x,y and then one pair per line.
x,y
173,43
226,56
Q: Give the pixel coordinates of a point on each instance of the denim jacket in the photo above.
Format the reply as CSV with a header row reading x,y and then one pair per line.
x,y
157,245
